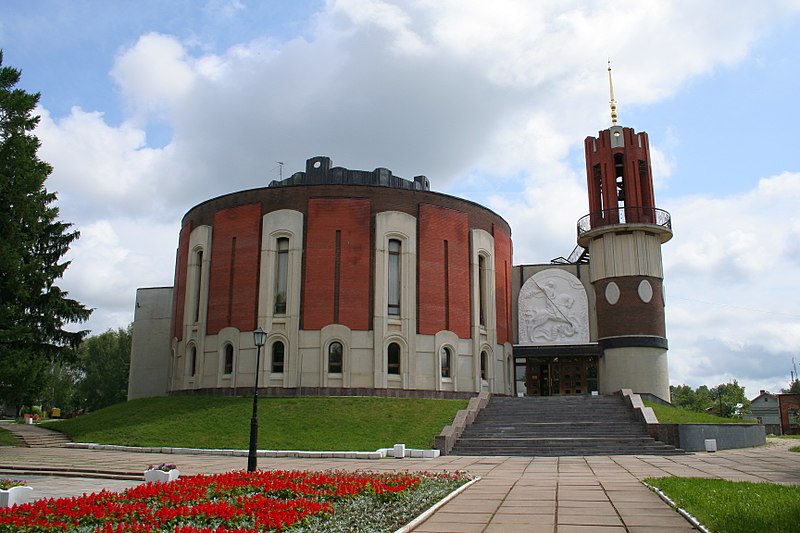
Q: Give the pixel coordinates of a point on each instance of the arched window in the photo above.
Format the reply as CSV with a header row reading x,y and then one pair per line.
x,y
482,290
395,279
445,361
484,361
192,361
281,276
198,283
335,357
393,358
228,359
277,357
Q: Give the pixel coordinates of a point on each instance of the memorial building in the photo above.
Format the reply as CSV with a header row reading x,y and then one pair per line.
x,y
371,284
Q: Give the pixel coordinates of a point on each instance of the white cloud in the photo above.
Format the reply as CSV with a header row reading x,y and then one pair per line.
x,y
491,100
731,281
111,260
155,74
99,169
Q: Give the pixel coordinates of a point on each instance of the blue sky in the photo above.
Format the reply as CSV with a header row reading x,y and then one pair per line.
x,y
150,107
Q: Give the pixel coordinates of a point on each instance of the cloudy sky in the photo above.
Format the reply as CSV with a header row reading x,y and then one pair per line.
x,y
150,107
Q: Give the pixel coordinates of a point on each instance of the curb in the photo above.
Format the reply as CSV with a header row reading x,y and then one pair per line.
x,y
683,512
297,454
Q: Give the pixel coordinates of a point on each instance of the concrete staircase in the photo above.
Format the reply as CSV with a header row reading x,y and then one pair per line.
x,y
37,437
552,426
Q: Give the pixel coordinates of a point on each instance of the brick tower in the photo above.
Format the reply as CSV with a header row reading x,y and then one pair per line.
x,y
623,234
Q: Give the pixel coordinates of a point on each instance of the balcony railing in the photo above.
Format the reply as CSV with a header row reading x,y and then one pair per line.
x,y
624,215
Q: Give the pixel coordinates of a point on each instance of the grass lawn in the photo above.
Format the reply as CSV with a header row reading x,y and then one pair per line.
x,y
305,423
674,415
735,507
9,439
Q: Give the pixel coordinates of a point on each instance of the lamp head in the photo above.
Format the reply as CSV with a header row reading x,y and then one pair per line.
x,y
259,336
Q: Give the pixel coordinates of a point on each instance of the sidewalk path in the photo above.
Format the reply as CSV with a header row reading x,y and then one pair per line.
x,y
543,494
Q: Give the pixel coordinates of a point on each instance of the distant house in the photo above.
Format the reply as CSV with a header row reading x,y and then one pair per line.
x,y
765,410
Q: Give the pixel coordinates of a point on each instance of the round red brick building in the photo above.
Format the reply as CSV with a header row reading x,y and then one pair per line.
x,y
364,281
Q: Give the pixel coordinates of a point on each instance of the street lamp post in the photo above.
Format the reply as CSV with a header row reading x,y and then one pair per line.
x,y
259,338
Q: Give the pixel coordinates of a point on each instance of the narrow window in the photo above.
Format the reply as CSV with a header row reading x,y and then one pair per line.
x,y
619,178
646,187
277,357
482,289
337,271
394,278
198,280
281,276
446,285
228,359
444,356
335,357
597,175
193,361
231,277
484,358
393,356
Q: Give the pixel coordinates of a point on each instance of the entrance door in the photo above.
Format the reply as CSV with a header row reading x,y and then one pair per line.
x,y
568,376
573,378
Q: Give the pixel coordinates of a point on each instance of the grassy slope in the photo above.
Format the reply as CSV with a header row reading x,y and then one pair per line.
x,y
341,423
735,507
674,415
9,439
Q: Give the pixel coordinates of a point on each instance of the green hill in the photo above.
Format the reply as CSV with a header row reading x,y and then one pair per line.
x,y
305,423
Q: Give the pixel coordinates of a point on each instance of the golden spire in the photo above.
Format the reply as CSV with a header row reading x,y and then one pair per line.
x,y
613,102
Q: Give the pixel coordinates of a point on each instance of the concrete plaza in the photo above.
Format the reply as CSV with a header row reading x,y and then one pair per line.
x,y
530,494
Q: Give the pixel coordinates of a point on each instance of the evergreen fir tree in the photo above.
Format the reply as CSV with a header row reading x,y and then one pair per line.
x,y
33,309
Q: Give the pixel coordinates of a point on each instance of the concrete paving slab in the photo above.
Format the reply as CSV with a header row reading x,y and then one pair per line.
x,y
590,529
511,489
518,528
568,519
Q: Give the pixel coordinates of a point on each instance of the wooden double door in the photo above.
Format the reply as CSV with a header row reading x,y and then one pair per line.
x,y
560,376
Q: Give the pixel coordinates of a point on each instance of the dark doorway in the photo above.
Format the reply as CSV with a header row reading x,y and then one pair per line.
x,y
558,376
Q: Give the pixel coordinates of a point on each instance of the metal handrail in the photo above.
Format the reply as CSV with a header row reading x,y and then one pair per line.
x,y
624,215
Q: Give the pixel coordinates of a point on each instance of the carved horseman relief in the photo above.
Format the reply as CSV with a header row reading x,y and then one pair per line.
x,y
553,309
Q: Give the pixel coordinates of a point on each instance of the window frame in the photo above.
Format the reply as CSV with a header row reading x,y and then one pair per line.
x,y
339,365
228,353
397,366
274,363
394,278
446,362
192,362
281,276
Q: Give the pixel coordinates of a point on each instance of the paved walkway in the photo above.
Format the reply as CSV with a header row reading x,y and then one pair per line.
x,y
558,494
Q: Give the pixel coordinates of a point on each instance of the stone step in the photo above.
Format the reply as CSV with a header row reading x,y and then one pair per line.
x,y
525,452
12,470
37,437
554,426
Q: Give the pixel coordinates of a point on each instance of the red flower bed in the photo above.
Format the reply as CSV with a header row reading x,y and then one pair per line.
x,y
235,502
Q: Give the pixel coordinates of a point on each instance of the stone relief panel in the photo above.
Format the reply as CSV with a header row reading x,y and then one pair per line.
x,y
553,309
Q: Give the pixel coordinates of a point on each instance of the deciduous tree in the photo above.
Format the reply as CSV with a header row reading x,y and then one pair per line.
x,y
104,361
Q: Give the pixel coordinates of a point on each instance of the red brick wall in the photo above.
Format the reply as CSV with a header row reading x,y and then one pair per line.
x,y
502,273
630,315
181,266
321,303
233,281
438,308
785,403
638,188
